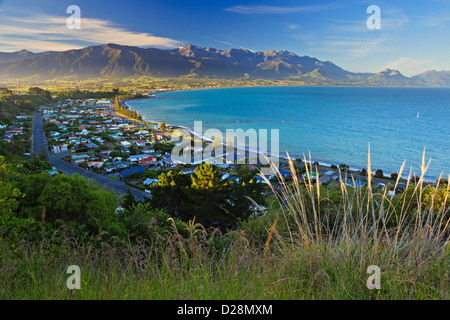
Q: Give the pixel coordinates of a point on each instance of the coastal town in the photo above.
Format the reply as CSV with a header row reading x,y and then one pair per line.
x,y
91,135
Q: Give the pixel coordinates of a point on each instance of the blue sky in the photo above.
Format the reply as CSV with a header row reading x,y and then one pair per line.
x,y
414,34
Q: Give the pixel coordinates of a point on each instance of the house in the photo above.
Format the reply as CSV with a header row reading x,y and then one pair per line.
x,y
137,157
149,181
137,169
109,169
147,161
148,150
188,170
91,145
52,172
83,132
95,164
125,144
325,179
285,173
106,153
79,158
140,143
260,180
355,183
312,175
328,176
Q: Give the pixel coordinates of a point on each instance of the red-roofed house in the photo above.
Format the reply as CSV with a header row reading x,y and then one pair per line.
x,y
147,161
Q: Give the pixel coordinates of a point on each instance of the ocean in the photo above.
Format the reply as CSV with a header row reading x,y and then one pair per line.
x,y
334,124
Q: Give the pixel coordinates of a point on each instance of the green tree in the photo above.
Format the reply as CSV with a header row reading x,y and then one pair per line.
x,y
79,200
379,173
128,200
11,225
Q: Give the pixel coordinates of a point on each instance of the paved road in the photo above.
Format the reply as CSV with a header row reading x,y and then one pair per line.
x,y
39,140
38,136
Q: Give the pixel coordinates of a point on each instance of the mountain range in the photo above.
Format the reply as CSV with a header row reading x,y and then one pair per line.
x,y
110,61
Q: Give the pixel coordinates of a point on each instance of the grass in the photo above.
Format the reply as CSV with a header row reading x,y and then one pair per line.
x,y
317,244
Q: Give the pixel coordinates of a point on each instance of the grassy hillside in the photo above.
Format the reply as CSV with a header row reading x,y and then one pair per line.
x,y
316,244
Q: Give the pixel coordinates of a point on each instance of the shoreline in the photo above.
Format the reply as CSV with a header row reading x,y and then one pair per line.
x,y
323,163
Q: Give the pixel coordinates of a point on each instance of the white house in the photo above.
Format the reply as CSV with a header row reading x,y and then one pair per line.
x,y
125,144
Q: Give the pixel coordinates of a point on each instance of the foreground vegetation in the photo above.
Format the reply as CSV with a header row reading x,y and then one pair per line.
x,y
316,244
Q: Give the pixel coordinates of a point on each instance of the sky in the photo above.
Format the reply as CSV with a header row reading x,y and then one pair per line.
x,y
414,35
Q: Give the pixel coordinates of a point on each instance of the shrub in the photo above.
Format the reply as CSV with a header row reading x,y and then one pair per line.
x,y
379,173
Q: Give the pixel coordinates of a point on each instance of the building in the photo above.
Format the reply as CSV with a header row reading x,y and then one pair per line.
x,y
147,161
137,169
138,157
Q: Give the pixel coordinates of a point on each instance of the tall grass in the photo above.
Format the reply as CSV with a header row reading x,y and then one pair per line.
x,y
316,245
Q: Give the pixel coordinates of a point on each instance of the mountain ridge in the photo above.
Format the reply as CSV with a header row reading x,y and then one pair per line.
x,y
190,61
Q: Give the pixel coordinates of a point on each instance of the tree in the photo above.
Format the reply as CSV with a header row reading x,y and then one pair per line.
x,y
363,172
168,193
77,199
206,177
379,173
150,174
41,92
394,176
414,180
343,167
117,103
128,200
205,196
163,125
11,225
442,182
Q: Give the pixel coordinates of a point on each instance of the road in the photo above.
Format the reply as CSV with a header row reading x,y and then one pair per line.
x,y
38,135
40,141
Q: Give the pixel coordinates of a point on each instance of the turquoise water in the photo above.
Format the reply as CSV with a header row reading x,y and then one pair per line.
x,y
335,124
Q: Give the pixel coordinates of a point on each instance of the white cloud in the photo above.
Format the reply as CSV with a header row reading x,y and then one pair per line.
x,y
361,25
435,21
355,47
261,9
51,33
407,65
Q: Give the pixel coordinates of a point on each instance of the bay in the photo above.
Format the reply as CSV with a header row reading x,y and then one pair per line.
x,y
334,124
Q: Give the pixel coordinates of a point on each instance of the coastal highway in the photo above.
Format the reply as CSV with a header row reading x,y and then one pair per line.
x,y
40,141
